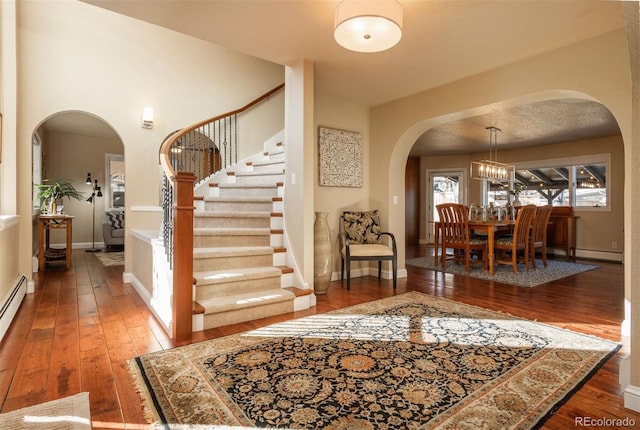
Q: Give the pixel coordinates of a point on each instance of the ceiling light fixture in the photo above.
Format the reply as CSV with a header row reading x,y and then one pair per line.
x,y
368,26
491,169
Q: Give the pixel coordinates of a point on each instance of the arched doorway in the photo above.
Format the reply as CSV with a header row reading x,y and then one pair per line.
x,y
80,148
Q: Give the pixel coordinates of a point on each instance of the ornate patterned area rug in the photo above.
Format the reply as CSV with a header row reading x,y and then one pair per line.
x,y
411,361
555,270
110,258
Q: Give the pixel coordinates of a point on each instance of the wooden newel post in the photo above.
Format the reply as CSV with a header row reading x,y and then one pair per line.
x,y
183,256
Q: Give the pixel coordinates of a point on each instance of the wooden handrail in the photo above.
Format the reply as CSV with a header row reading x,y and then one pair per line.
x,y
166,146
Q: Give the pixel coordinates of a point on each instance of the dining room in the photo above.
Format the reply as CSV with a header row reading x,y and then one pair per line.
x,y
579,172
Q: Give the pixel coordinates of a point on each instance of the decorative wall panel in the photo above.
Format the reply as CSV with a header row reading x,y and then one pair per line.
x,y
340,158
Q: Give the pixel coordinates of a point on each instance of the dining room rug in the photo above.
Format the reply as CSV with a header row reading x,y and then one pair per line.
x,y
110,258
555,270
68,413
407,361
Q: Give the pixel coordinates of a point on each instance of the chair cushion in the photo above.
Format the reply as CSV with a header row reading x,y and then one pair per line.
x,y
362,227
505,240
370,250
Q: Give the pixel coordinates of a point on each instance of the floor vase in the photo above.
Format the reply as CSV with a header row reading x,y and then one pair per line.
x,y
321,254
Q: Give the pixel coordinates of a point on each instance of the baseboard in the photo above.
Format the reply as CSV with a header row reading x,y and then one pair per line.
x,y
130,278
11,303
617,257
632,398
370,271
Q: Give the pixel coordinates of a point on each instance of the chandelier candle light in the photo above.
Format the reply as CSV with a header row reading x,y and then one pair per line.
x,y
491,169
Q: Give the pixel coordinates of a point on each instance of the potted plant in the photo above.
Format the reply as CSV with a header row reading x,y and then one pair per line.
x,y
51,194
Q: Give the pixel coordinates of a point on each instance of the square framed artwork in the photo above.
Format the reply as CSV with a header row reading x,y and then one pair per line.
x,y
340,154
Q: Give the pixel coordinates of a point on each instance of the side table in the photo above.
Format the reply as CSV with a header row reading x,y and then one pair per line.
x,y
46,223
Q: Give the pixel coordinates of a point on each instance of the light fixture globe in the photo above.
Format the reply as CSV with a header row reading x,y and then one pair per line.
x,y
368,26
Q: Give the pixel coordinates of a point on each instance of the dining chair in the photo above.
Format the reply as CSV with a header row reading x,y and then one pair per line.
x,y
361,240
456,234
518,242
539,234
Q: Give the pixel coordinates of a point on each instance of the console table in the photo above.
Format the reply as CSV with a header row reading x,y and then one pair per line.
x,y
46,223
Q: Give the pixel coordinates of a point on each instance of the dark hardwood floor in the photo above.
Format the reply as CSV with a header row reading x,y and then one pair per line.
x,y
79,328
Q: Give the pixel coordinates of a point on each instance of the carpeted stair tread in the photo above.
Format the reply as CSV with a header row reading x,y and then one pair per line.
x,y
247,300
230,251
232,214
231,231
261,173
235,275
239,199
247,185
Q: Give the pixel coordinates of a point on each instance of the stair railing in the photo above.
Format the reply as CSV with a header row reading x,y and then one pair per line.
x,y
187,157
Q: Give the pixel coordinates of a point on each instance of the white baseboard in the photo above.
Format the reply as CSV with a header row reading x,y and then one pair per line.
x,y
632,398
130,278
369,271
11,303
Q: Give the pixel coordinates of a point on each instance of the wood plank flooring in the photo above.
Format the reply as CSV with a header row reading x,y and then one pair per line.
x,y
79,328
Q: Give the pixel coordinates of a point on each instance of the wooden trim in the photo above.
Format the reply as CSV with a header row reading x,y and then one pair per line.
x,y
181,328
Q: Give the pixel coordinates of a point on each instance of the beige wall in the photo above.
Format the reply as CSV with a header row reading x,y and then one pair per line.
x,y
92,67
72,156
596,230
9,240
338,114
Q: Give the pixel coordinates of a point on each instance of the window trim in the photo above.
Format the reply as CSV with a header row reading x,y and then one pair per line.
x,y
574,161
108,204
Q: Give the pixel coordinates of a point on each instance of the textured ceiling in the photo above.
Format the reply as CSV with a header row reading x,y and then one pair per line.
x,y
442,41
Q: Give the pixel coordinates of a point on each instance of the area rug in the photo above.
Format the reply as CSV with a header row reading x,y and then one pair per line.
x,y
110,258
411,361
68,413
555,270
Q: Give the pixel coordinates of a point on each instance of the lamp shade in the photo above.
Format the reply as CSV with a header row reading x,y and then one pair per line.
x,y
368,26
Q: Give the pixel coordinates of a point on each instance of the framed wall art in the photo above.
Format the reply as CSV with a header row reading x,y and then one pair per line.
x,y
340,154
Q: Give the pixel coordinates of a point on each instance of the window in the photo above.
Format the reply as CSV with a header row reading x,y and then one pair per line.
x,y
580,182
114,196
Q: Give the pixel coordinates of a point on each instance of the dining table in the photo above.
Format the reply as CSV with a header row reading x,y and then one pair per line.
x,y
490,228
478,226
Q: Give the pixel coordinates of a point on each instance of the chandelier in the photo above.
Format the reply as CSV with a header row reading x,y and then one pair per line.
x,y
491,169
368,25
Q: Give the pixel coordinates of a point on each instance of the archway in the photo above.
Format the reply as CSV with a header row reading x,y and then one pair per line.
x,y
77,145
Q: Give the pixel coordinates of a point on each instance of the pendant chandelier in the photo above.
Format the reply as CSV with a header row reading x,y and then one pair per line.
x,y
491,169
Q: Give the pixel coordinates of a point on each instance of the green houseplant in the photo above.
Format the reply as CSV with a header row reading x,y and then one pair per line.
x,y
50,194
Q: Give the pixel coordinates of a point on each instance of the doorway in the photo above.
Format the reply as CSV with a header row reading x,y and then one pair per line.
x,y
443,186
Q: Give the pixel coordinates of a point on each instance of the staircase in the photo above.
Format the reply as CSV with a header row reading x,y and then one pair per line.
x,y
239,265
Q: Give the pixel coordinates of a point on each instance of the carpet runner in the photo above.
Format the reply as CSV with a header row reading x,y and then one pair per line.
x,y
411,361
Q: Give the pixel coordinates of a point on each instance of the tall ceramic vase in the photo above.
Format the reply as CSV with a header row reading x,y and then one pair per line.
x,y
321,254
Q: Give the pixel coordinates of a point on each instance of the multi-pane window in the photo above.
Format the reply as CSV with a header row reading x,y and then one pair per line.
x,y
581,183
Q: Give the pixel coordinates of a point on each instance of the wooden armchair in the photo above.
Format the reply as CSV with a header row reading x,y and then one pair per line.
x,y
361,240
517,243
539,234
456,234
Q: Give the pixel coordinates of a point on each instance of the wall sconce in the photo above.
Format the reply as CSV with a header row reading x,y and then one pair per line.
x,y
147,117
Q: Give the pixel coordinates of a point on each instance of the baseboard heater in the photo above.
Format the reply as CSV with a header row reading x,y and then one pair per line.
x,y
11,303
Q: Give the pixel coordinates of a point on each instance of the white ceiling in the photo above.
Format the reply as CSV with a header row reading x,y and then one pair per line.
x,y
442,41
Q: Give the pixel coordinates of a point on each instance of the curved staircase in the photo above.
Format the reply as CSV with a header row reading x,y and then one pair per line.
x,y
239,258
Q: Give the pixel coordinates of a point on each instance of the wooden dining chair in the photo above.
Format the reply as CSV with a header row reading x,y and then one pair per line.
x,y
518,243
539,234
457,235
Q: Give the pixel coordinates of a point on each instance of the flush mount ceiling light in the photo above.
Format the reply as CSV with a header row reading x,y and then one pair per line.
x,y
368,26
